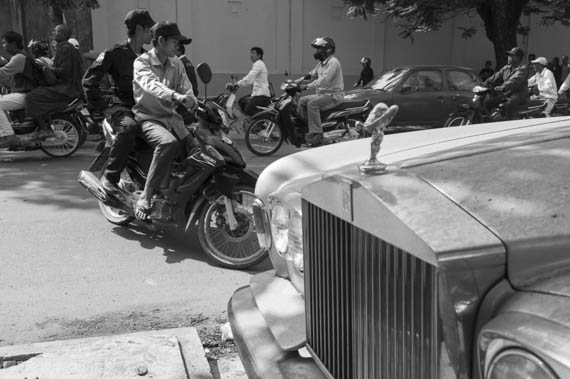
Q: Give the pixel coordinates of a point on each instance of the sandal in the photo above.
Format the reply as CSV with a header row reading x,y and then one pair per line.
x,y
142,211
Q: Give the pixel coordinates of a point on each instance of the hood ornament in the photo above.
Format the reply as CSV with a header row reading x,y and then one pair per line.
x,y
376,122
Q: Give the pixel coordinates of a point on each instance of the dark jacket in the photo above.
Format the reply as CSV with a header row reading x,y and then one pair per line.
x,y
513,79
68,68
366,75
118,62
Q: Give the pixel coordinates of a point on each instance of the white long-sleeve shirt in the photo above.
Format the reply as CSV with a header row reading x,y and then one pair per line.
x,y
565,85
546,84
258,77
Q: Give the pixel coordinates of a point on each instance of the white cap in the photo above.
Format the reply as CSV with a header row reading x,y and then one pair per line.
x,y
540,60
74,42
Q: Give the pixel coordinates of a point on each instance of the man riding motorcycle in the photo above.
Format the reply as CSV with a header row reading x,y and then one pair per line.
x,y
160,84
329,85
13,76
510,84
545,83
118,62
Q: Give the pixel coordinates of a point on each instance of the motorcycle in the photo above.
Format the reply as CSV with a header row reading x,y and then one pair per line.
x,y
69,126
212,188
476,112
280,122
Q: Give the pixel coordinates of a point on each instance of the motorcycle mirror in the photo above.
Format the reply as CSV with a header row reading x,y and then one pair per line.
x,y
204,73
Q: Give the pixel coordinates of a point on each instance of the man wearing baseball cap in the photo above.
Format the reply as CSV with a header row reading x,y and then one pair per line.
x,y
118,63
510,83
546,84
160,85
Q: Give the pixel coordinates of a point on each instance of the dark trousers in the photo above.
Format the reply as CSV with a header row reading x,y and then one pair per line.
x,y
511,103
166,147
123,122
249,104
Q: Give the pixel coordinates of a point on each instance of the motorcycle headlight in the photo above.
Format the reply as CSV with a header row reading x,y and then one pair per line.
x,y
518,364
280,228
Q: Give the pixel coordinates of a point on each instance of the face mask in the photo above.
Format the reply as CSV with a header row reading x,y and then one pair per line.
x,y
320,55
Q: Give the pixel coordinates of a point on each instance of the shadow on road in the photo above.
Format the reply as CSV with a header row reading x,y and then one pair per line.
x,y
177,245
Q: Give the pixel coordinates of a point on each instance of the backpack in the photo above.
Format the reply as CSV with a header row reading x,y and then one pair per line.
x,y
38,74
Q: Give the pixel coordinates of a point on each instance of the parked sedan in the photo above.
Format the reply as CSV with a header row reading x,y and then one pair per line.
x,y
426,95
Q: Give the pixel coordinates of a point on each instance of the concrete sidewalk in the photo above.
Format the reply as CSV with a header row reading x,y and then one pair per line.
x,y
158,354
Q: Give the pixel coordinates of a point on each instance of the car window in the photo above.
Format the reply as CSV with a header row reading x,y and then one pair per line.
x,y
424,81
387,80
460,80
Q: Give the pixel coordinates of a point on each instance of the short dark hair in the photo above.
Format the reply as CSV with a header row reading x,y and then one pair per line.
x,y
258,51
13,37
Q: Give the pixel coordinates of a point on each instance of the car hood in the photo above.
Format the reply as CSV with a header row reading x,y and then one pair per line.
x,y
511,177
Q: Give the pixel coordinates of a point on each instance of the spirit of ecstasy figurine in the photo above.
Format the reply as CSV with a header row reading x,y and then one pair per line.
x,y
380,116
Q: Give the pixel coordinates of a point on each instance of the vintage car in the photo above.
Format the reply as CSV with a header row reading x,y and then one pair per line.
x,y
454,262
426,94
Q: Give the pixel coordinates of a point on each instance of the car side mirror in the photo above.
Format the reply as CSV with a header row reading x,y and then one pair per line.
x,y
406,88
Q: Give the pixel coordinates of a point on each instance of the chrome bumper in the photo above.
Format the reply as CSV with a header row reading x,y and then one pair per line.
x,y
259,350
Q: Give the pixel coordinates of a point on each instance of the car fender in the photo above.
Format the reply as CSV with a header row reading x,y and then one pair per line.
x,y
538,323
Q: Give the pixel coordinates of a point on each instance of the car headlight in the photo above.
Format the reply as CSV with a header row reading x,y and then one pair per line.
x,y
518,364
296,241
280,228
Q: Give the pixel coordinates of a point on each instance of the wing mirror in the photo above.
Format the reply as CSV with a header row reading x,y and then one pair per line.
x,y
205,75
406,88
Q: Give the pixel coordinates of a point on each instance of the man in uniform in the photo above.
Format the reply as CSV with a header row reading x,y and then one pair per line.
x,y
118,62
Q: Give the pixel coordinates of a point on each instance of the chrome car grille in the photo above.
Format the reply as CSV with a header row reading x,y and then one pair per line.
x,y
371,307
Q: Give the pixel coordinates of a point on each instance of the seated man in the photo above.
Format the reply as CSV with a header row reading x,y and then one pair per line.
x,y
511,83
160,84
118,63
329,85
257,78
67,66
13,75
546,84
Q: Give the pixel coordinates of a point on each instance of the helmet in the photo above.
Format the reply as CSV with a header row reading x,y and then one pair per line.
x,y
365,60
39,48
325,43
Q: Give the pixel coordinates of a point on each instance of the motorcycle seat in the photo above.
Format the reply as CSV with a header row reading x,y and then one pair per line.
x,y
349,105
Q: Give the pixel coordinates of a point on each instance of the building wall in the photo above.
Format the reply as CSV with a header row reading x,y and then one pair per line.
x,y
224,30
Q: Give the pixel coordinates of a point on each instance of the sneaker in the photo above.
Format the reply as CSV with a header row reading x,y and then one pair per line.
x,y
108,185
314,139
6,141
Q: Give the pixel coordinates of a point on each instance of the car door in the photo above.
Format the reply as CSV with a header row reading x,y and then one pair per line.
x,y
421,98
459,85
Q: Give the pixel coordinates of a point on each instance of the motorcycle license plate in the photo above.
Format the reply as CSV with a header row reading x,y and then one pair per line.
x,y
84,112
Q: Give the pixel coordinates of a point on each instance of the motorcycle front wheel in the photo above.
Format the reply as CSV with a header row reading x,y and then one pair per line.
x,y
236,249
263,137
454,121
66,140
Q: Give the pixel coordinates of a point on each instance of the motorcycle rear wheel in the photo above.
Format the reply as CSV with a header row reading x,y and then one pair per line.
x,y
454,121
238,249
263,137
68,133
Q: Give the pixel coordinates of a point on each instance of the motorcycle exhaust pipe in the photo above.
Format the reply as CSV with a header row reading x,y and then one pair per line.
x,y
93,185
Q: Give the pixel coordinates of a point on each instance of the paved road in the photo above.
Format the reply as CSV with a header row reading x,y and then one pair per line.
x,y
64,268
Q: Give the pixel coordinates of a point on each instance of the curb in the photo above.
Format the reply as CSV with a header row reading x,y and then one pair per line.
x,y
190,349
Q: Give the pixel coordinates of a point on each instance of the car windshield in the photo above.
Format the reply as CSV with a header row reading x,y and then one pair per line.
x,y
387,80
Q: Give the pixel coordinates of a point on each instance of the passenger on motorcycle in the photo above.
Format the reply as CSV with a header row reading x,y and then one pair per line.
x,y
68,68
329,85
510,84
40,51
118,62
258,78
546,84
160,85
13,75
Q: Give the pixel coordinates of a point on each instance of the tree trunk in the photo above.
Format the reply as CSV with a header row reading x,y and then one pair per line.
x,y
56,14
501,18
